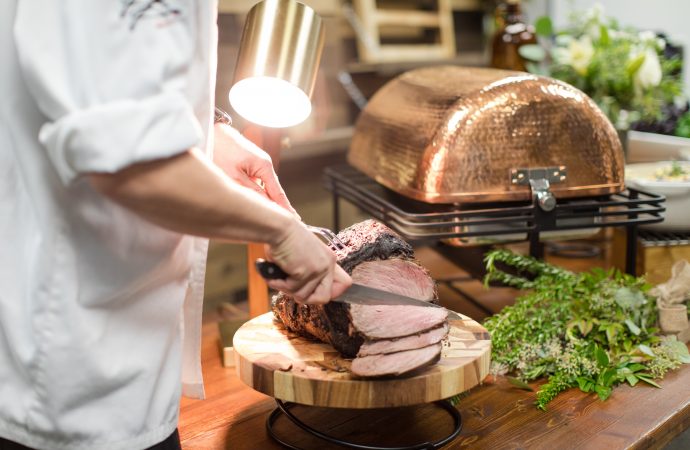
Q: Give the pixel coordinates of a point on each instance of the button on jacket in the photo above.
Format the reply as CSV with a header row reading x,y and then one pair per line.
x,y
100,311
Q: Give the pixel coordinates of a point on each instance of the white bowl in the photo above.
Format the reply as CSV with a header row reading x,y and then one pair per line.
x,y
642,177
648,147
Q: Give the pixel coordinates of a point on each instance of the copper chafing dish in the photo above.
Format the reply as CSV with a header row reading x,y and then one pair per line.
x,y
466,135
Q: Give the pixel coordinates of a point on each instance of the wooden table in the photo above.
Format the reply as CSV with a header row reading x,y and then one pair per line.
x,y
496,415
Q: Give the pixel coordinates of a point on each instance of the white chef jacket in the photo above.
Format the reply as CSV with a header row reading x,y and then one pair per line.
x,y
93,338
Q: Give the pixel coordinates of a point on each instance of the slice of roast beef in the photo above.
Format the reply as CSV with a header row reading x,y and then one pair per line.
x,y
396,275
394,364
383,346
377,257
393,321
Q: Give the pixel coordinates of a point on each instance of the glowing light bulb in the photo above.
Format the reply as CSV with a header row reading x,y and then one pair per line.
x,y
270,102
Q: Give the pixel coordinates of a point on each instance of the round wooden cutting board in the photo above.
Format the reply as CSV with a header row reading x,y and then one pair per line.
x,y
286,366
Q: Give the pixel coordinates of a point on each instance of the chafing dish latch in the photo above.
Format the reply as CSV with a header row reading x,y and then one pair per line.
x,y
540,180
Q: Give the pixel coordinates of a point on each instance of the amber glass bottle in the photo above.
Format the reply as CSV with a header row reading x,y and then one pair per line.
x,y
510,35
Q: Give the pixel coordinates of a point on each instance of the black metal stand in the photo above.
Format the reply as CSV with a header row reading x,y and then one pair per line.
x,y
284,409
424,224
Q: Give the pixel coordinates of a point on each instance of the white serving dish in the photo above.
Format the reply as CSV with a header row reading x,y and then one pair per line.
x,y
677,216
648,147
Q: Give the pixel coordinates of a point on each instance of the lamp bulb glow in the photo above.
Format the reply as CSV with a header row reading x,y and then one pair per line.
x,y
270,102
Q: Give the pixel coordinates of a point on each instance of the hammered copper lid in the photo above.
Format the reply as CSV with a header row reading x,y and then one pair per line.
x,y
452,134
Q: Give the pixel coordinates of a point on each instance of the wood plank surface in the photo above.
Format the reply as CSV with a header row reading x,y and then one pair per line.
x,y
496,416
292,368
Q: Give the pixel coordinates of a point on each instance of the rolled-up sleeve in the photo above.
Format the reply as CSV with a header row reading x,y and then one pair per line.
x,y
111,78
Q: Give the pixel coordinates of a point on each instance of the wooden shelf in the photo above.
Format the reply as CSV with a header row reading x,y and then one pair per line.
x,y
409,18
373,16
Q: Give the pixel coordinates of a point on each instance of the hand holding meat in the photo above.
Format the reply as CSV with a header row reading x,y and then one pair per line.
x,y
314,277
247,164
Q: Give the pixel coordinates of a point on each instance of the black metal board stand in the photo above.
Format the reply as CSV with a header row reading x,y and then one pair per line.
x,y
284,409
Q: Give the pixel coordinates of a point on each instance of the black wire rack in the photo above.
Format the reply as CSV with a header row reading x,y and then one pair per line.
x,y
425,223
654,238
283,409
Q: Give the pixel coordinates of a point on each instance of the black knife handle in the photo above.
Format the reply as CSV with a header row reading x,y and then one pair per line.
x,y
269,270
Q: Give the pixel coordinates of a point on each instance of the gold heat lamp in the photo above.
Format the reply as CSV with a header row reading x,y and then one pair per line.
x,y
278,58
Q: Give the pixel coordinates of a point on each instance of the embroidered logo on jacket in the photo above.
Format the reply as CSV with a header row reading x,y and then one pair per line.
x,y
136,10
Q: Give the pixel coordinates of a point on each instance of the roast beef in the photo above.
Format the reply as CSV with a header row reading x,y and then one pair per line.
x,y
394,321
377,257
393,364
400,276
383,346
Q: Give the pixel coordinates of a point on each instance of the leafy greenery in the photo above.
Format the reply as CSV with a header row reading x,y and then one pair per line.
x,y
624,71
683,126
589,330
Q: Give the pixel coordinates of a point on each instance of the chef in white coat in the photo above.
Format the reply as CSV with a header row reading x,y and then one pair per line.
x,y
112,176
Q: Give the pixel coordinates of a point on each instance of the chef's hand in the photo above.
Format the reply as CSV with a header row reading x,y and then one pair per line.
x,y
247,164
313,275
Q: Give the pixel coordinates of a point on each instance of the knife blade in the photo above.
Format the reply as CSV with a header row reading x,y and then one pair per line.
x,y
357,293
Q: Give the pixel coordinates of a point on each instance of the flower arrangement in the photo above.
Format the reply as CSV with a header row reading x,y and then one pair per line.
x,y
633,76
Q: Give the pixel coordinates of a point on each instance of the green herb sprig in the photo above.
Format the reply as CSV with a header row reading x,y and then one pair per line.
x,y
590,330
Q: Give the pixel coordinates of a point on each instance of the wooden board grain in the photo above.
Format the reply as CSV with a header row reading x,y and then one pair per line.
x,y
289,367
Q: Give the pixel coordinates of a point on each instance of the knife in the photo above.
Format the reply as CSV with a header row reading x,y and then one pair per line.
x,y
357,293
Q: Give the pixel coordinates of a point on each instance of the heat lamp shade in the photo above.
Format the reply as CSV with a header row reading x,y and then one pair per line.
x,y
278,58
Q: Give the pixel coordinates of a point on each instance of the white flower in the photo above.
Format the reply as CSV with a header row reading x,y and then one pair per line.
x,y
595,13
578,54
563,39
649,74
619,34
647,36
622,122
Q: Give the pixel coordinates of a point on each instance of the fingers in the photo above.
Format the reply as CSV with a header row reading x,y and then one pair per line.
x,y
303,291
242,160
316,291
311,267
247,182
341,281
279,285
322,293
273,188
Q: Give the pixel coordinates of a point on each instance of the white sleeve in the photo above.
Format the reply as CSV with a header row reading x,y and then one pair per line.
x,y
111,78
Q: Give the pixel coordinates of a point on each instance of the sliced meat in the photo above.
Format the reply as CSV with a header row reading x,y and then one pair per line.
x,y
396,275
393,321
377,257
383,346
347,326
394,364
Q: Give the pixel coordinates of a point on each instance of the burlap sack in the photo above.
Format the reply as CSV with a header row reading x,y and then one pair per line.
x,y
673,319
671,297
